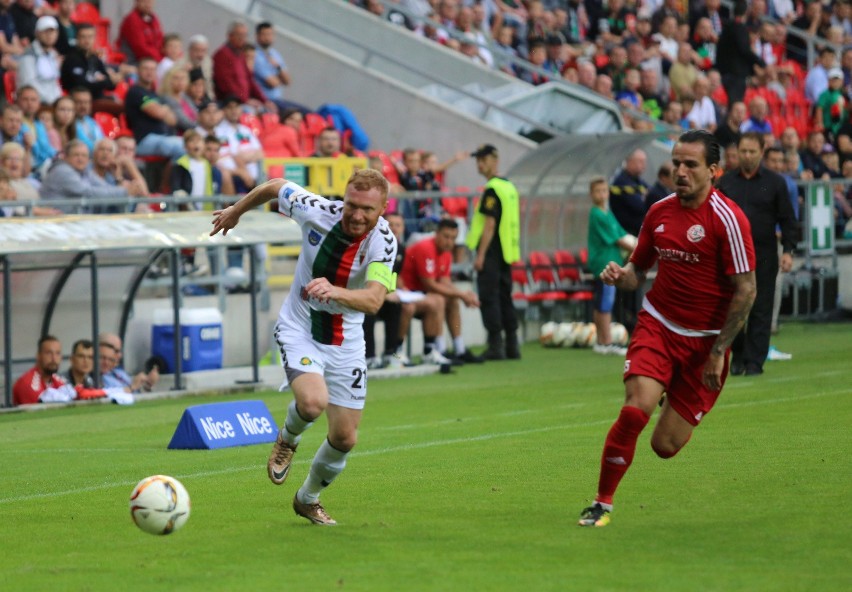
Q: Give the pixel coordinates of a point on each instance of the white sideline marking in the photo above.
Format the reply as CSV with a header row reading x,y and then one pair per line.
x,y
258,467
413,426
403,448
734,382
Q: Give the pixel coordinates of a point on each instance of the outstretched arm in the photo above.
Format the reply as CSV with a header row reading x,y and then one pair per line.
x,y
228,218
745,289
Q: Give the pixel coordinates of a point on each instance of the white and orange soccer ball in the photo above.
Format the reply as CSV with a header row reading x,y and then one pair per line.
x,y
619,334
545,337
563,336
159,504
585,334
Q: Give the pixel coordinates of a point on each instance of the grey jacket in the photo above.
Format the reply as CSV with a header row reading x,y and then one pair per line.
x,y
64,181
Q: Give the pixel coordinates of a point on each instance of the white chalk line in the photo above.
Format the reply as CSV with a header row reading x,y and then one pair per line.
x,y
403,448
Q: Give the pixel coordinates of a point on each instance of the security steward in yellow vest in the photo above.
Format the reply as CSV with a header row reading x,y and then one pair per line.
x,y
495,238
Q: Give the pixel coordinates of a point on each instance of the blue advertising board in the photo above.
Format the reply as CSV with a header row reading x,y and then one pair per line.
x,y
222,425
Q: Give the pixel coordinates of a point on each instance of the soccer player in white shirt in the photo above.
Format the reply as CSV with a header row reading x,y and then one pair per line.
x,y
344,270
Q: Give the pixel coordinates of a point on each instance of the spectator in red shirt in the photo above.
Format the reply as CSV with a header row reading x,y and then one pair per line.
x,y
29,387
231,75
427,269
140,35
43,383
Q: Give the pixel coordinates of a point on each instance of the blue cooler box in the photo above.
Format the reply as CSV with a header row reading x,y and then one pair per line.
x,y
201,338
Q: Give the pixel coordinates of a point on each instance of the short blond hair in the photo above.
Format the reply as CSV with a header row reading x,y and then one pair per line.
x,y
366,179
595,181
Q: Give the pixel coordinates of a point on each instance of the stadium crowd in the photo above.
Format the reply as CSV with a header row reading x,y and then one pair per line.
x,y
690,65
87,113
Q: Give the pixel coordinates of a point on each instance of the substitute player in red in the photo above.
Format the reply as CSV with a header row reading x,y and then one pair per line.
x,y
702,295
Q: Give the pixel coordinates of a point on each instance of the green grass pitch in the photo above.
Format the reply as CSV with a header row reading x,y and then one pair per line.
x,y
471,481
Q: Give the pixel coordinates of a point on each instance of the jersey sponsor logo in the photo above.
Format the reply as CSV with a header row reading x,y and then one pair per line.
x,y
305,361
660,228
695,233
676,255
314,237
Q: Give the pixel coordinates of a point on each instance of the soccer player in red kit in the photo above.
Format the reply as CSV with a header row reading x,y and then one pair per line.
x,y
701,297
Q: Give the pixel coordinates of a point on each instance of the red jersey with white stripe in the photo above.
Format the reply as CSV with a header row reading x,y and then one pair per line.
x,y
697,250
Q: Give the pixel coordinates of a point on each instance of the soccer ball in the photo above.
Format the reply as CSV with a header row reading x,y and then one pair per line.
x,y
546,335
618,333
159,504
585,334
564,335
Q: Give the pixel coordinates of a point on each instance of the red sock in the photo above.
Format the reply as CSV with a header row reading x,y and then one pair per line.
x,y
618,450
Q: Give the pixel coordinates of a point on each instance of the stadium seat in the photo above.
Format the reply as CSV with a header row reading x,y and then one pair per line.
x,y
388,169
109,124
545,288
10,84
312,125
525,308
120,90
85,12
569,274
252,121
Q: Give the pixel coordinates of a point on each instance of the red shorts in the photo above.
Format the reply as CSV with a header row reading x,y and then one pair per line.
x,y
677,362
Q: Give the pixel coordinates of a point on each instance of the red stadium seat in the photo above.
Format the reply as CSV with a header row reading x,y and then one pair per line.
x,y
312,125
108,123
545,290
251,121
10,85
569,273
388,169
85,12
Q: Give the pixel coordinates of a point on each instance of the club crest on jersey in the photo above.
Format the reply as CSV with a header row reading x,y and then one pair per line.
x,y
695,233
306,361
314,237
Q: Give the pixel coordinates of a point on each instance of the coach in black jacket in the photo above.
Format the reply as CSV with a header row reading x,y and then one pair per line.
x,y
735,59
764,198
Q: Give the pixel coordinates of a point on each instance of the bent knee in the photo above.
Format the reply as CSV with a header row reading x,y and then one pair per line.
x,y
311,407
343,441
666,448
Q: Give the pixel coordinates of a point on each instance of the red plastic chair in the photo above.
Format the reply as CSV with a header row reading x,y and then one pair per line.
x,y
85,12
10,85
108,123
120,90
251,121
543,277
388,170
569,272
312,125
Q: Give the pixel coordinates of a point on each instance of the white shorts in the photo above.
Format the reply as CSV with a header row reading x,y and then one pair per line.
x,y
344,371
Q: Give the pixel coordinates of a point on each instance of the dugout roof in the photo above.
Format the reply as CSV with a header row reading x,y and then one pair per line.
x,y
553,181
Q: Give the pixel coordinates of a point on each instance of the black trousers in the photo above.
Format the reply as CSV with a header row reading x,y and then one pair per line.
x,y
752,343
495,296
389,313
735,86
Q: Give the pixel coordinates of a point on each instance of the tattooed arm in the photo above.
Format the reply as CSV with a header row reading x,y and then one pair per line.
x,y
745,290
